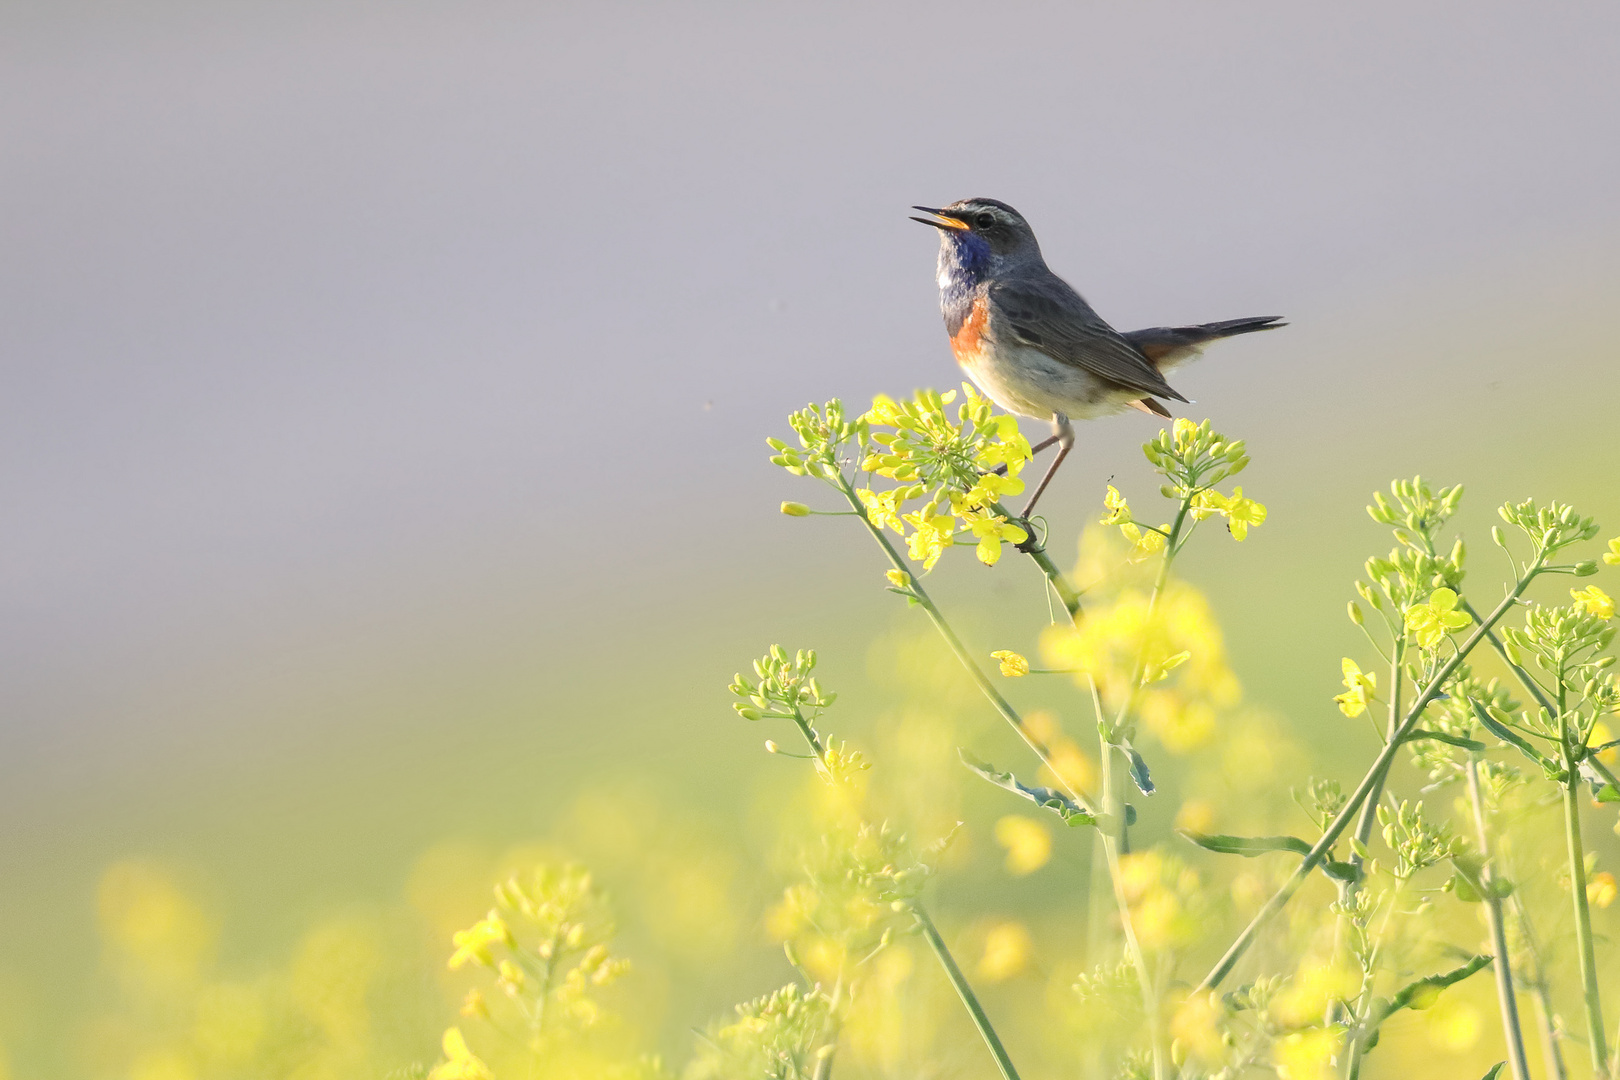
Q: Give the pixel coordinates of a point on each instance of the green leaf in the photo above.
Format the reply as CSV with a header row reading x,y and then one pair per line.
x,y
1060,804
1446,737
1508,735
1496,1070
1465,889
1138,770
1247,846
1608,793
1422,993
1340,871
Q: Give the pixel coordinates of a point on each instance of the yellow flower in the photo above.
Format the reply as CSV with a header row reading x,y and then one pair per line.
x,y
1600,735
1198,815
1601,889
882,507
1360,688
1196,1025
511,979
1612,556
1012,451
1068,766
474,942
1307,1055
989,489
460,1063
1242,512
1007,948
991,530
1429,622
1594,601
1145,543
932,536
884,412
1313,987
474,1005
1454,1025
1028,844
1119,511
1207,503
1012,665
898,578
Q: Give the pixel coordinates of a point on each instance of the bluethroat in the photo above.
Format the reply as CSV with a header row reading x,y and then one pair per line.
x,y
1033,345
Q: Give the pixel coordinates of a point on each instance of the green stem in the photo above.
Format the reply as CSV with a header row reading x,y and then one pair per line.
x,y
1369,810
1505,999
982,681
1336,828
1113,832
1114,818
965,992
829,1035
1037,553
1536,980
1596,1036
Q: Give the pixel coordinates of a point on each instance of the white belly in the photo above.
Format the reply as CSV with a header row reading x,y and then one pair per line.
x,y
1026,381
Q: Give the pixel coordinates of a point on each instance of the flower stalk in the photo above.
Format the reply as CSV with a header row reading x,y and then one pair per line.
x,y
1506,1002
970,1001
1374,778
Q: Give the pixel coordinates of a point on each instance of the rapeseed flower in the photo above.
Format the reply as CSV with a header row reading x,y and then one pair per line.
x,y
1012,664
991,530
474,942
1432,620
1028,843
460,1062
1360,688
1594,601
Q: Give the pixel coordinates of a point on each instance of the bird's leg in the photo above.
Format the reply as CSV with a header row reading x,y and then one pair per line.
x,y
1063,434
1001,470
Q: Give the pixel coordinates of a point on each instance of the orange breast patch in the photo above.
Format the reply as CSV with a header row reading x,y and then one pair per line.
x,y
965,342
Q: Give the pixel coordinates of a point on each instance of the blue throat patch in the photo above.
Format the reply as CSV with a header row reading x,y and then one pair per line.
x,y
966,263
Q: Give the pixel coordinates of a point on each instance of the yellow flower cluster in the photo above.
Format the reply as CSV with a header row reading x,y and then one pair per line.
x,y
951,466
547,968
1165,899
1171,654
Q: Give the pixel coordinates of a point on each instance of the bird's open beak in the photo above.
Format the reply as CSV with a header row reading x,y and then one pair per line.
x,y
940,220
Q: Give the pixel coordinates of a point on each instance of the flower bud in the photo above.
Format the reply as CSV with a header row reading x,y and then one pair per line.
x,y
1586,569
1355,613
794,509
771,747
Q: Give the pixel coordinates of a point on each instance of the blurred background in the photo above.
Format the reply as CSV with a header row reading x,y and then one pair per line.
x,y
385,388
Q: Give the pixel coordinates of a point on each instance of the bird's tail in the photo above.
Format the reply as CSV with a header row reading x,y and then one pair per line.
x,y
1167,346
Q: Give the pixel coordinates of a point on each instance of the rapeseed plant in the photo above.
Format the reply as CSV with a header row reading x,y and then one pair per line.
x,y
1291,925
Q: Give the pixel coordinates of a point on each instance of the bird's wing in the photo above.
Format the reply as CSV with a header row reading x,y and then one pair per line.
x,y
1050,316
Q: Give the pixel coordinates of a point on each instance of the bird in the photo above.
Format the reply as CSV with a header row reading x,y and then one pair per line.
x,y
1033,345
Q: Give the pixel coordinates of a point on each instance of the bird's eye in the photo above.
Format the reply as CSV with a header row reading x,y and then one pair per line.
x,y
984,221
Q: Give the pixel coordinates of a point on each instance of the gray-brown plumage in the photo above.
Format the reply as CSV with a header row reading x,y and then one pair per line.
x,y
1033,344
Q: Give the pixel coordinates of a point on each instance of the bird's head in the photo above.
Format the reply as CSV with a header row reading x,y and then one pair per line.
x,y
984,227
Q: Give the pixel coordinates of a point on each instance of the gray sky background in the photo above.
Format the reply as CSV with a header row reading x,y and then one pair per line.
x,y
340,336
